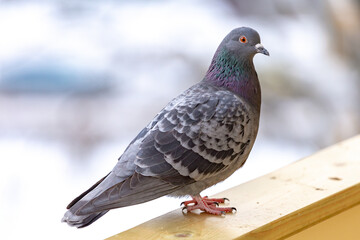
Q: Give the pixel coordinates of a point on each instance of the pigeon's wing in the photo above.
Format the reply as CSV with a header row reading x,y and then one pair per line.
x,y
198,135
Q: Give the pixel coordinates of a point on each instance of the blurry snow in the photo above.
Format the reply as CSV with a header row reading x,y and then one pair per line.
x,y
54,147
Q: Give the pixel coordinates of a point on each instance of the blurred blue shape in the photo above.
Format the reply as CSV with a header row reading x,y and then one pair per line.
x,y
52,77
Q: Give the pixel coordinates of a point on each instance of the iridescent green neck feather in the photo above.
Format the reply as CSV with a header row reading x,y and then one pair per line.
x,y
236,74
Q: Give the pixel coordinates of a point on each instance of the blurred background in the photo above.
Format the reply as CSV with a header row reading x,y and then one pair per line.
x,y
79,79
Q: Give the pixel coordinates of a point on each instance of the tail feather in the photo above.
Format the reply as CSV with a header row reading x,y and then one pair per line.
x,y
81,221
114,192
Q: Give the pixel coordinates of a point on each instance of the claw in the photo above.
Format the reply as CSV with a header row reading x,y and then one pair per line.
x,y
234,210
184,210
183,203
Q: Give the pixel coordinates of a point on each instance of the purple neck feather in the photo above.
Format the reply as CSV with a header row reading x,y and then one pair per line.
x,y
237,76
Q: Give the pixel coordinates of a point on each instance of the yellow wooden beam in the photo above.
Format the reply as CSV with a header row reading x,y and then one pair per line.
x,y
343,226
273,206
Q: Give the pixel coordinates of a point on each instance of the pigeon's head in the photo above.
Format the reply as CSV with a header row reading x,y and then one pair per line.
x,y
243,42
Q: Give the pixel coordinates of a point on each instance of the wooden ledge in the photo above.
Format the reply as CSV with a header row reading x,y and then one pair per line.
x,y
273,206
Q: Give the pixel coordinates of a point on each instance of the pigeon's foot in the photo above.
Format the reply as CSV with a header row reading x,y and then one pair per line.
x,y
209,205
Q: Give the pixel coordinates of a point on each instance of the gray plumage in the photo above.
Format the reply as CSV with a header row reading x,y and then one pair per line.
x,y
199,139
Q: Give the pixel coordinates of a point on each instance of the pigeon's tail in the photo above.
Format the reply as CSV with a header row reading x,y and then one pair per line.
x,y
76,220
115,192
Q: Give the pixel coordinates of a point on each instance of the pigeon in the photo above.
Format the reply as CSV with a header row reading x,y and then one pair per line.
x,y
199,139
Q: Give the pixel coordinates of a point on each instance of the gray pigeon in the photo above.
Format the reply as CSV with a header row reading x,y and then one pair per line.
x,y
199,139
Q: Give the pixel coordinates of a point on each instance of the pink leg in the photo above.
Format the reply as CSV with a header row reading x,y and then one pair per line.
x,y
208,205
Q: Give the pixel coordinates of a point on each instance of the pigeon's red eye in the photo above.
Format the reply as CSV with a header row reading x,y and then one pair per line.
x,y
243,39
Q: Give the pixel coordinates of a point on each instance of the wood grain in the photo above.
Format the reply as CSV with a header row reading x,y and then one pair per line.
x,y
274,206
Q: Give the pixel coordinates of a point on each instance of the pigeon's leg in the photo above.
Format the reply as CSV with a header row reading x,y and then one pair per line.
x,y
208,205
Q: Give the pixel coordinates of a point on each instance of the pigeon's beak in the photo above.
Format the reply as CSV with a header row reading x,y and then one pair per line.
x,y
260,49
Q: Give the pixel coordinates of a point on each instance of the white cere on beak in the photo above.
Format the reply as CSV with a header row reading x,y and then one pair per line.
x,y
259,46
260,49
